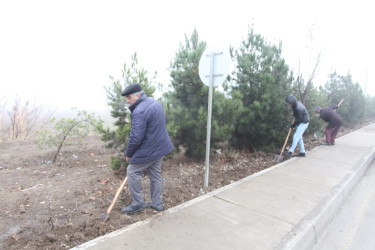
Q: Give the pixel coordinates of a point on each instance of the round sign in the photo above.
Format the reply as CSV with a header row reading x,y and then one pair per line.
x,y
220,68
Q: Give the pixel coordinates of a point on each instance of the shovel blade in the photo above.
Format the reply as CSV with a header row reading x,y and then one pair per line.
x,y
318,135
279,158
104,217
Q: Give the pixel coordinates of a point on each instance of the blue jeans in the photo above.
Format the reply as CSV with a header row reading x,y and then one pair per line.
x,y
297,138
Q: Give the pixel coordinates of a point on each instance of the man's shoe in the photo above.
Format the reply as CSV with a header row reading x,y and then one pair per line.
x,y
301,155
288,154
133,209
325,144
159,208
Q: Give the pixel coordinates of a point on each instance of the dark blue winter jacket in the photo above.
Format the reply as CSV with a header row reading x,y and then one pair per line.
x,y
149,139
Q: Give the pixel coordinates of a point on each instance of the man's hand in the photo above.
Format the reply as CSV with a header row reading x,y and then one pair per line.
x,y
128,159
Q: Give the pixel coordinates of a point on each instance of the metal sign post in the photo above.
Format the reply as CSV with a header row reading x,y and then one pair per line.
x,y
209,115
219,63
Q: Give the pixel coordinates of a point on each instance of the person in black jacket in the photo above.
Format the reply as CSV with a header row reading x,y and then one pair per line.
x,y
301,122
328,114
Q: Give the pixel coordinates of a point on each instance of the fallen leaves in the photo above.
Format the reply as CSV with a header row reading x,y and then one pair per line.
x,y
15,237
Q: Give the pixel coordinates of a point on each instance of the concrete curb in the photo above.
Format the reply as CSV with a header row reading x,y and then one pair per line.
x,y
306,234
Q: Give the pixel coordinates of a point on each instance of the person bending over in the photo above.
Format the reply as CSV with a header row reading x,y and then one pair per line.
x,y
329,115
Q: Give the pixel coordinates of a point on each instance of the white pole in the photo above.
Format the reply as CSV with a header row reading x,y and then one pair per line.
x,y
208,138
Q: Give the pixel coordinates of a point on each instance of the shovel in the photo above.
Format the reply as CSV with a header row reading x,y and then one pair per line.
x,y
280,157
319,133
105,216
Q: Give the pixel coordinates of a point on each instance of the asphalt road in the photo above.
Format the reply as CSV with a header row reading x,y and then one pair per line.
x,y
354,226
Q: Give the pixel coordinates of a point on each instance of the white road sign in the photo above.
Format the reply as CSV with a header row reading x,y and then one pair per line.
x,y
220,60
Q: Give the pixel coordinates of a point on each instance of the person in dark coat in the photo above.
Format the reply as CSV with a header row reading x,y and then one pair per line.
x,y
301,122
328,114
148,143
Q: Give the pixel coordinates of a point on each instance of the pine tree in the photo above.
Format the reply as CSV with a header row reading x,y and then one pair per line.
x,y
187,104
118,138
352,109
262,81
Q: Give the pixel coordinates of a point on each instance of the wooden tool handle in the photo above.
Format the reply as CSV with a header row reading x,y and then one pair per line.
x,y
282,150
287,137
340,102
117,195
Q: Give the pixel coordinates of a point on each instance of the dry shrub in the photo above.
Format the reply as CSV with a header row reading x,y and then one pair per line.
x,y
23,120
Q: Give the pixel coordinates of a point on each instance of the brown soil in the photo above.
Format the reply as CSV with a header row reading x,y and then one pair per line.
x,y
58,206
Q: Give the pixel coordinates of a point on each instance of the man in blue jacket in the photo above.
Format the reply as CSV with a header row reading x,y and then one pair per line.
x,y
148,143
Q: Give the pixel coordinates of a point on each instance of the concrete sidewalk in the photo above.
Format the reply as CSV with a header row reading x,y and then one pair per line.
x,y
284,207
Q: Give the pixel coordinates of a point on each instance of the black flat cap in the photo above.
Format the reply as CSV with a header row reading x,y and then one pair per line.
x,y
132,88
